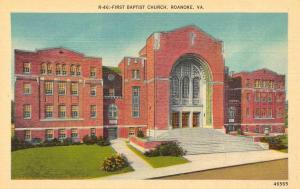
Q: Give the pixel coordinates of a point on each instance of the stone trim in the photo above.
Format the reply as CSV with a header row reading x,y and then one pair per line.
x,y
68,127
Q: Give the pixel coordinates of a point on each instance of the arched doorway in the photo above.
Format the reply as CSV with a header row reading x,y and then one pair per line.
x,y
190,93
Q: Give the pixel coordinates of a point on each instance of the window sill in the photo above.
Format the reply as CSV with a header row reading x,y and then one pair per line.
x,y
27,118
62,119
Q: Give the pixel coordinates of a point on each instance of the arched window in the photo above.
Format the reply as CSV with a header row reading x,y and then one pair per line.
x,y
185,87
64,69
196,83
49,68
175,87
112,112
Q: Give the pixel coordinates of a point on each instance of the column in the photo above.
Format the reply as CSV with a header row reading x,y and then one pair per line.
x,y
190,119
180,119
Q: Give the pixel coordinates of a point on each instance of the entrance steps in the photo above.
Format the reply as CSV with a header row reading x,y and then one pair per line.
x,y
205,141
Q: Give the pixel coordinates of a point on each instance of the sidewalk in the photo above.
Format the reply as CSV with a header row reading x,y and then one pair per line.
x,y
198,162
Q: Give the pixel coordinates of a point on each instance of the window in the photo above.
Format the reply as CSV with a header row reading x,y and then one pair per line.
x,y
248,97
279,113
62,111
27,88
92,72
175,87
78,70
256,83
72,70
44,68
263,113
49,134
26,68
64,69
257,97
61,134
74,88
58,69
93,90
248,83
48,111
256,129
27,135
93,111
112,112
196,87
49,68
269,112
27,111
131,131
62,88
135,102
135,74
75,112
74,133
111,92
231,112
263,97
49,88
270,97
93,132
185,87
257,112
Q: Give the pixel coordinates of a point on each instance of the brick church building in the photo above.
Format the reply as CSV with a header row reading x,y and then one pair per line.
x,y
178,81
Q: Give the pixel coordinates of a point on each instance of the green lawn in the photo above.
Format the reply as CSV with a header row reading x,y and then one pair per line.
x,y
160,161
61,162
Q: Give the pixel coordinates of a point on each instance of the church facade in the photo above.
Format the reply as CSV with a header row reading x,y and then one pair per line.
x,y
179,80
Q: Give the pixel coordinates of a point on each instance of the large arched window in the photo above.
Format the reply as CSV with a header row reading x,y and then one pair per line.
x,y
175,87
112,112
196,87
185,87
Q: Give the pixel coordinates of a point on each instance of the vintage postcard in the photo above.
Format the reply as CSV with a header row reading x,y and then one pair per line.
x,y
122,95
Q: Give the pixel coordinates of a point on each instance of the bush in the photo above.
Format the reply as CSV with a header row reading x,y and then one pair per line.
x,y
276,143
140,134
166,149
103,141
89,139
114,163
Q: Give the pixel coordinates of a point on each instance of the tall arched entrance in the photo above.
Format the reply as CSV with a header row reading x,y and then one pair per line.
x,y
190,93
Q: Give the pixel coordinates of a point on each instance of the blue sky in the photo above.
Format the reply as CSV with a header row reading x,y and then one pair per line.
x,y
251,41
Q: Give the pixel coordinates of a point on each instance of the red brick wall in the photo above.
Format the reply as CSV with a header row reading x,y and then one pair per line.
x,y
38,99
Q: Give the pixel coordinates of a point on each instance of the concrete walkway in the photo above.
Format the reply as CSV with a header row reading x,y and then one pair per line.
x,y
197,162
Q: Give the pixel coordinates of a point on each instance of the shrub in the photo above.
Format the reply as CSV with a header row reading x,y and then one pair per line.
x,y
89,139
114,163
166,149
103,141
140,134
276,143
67,141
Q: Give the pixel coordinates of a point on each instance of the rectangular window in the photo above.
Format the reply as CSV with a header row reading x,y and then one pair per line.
x,y
248,83
62,88
93,132
44,69
270,97
75,111
74,88
61,134
26,68
74,133
78,70
131,131
263,97
257,112
27,88
64,69
93,91
263,113
111,92
49,68
93,72
49,134
58,69
135,74
49,88
269,112
62,111
257,97
49,111
27,111
72,70
27,135
135,102
93,111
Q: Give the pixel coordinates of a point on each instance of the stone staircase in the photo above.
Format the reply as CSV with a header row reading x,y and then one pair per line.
x,y
206,141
